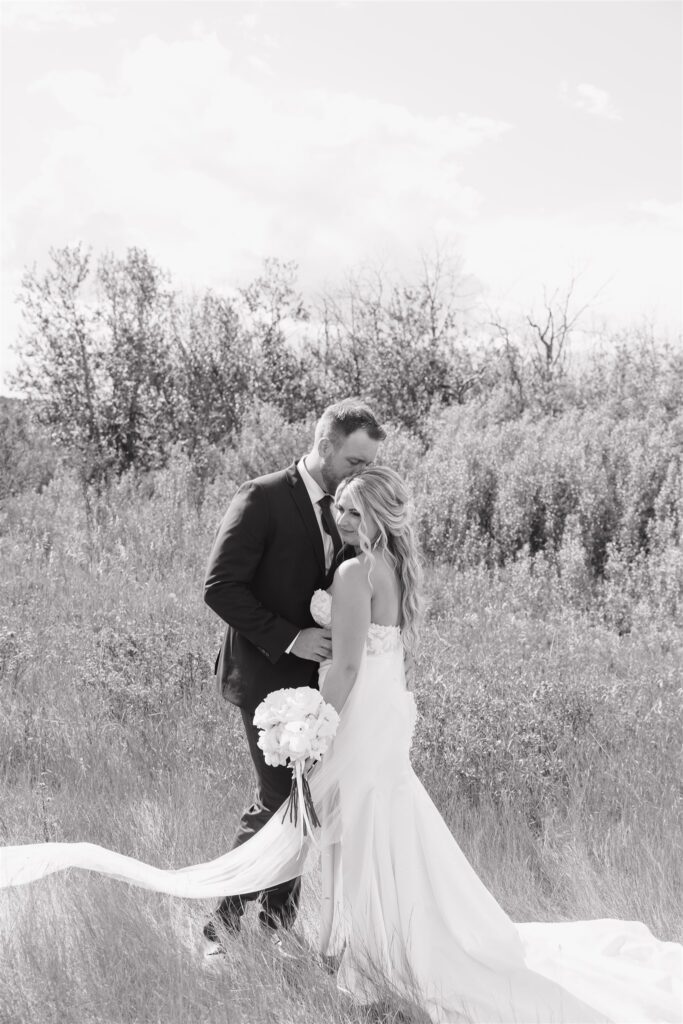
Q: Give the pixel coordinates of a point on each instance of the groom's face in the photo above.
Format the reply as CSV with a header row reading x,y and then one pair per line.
x,y
348,457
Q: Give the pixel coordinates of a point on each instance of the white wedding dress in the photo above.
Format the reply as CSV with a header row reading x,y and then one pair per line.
x,y
407,907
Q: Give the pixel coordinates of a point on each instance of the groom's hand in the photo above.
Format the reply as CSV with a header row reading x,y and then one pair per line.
x,y
313,644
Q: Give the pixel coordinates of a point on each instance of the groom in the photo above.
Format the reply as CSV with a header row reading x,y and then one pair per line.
x,y
277,544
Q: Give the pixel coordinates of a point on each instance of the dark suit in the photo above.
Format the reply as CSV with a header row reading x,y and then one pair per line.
x,y
266,561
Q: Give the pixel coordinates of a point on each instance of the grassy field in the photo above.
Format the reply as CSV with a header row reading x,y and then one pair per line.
x,y
550,743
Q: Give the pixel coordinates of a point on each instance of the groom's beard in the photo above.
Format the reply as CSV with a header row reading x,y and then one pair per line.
x,y
330,480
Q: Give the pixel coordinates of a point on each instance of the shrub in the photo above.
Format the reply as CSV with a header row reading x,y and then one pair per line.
x,y
495,492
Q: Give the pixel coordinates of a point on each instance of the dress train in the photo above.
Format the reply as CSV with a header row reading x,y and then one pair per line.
x,y
400,898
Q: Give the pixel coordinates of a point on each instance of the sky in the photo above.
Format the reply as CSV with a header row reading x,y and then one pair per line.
x,y
537,142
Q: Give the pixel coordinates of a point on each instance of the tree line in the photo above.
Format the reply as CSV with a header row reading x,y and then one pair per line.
x,y
121,367
513,450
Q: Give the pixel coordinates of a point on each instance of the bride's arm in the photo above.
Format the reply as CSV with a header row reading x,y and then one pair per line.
x,y
351,596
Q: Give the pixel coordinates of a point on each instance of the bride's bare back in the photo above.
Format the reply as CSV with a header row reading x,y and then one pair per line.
x,y
385,602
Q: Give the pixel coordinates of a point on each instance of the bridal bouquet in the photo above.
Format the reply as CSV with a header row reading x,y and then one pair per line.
x,y
296,725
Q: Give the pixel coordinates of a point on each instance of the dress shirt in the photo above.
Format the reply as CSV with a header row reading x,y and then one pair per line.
x,y
315,493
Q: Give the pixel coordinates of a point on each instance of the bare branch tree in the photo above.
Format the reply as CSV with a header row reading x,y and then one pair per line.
x,y
552,330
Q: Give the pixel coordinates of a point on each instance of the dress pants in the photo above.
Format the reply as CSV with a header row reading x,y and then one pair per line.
x,y
280,904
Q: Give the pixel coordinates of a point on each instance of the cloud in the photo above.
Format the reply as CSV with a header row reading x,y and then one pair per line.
x,y
260,65
251,24
670,214
48,15
625,268
213,169
250,21
591,99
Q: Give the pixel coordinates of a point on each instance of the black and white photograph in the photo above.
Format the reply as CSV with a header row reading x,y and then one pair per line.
x,y
341,512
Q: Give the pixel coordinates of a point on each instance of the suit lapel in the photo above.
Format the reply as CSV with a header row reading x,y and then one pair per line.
x,y
303,503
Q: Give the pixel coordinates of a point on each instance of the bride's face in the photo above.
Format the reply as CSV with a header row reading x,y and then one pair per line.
x,y
348,518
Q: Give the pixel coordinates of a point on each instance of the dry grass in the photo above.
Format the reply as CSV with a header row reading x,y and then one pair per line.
x,y
549,743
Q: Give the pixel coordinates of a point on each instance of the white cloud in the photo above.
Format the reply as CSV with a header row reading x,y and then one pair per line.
x,y
251,24
591,99
250,21
78,93
260,65
212,171
670,214
625,268
50,14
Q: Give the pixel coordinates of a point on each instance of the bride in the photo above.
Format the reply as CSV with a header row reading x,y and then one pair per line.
x,y
401,904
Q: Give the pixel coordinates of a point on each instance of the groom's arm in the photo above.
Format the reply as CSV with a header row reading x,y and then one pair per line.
x,y
233,562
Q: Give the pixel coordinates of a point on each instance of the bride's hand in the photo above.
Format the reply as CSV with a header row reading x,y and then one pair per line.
x,y
313,644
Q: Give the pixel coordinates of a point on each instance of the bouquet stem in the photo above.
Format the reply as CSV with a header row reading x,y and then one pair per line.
x,y
301,802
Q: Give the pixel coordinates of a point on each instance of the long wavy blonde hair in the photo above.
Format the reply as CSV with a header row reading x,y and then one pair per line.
x,y
380,494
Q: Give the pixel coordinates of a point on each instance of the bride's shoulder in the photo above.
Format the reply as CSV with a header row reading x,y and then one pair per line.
x,y
366,574
352,574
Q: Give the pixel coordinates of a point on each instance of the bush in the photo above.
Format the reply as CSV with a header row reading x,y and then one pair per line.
x,y
526,702
600,498
28,459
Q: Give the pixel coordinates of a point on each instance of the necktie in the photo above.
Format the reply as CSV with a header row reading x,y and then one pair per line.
x,y
329,525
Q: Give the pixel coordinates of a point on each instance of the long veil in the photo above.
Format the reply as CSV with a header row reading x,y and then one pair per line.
x,y
404,876
275,854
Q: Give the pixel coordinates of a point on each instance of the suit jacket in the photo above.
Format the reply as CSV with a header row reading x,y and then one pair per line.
x,y
266,561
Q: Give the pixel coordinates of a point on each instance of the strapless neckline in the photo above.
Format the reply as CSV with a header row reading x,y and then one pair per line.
x,y
380,639
321,605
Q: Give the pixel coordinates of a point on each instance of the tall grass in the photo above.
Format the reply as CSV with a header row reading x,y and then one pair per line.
x,y
549,737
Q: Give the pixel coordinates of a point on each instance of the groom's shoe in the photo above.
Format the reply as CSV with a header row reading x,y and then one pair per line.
x,y
217,931
211,943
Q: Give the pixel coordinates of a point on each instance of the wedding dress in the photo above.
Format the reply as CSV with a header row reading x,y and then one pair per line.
x,y
402,904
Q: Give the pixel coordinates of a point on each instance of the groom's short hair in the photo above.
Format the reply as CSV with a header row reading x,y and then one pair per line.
x,y
345,417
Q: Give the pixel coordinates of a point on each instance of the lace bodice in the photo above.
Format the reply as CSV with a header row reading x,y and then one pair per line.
x,y
380,639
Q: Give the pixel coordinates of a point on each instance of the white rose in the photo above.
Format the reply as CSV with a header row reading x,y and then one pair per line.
x,y
297,726
328,724
320,607
294,724
302,701
265,717
269,742
299,746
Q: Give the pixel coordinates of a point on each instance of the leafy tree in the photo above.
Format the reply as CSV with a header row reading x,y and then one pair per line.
x,y
634,373
62,357
273,309
141,409
94,357
400,344
214,366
